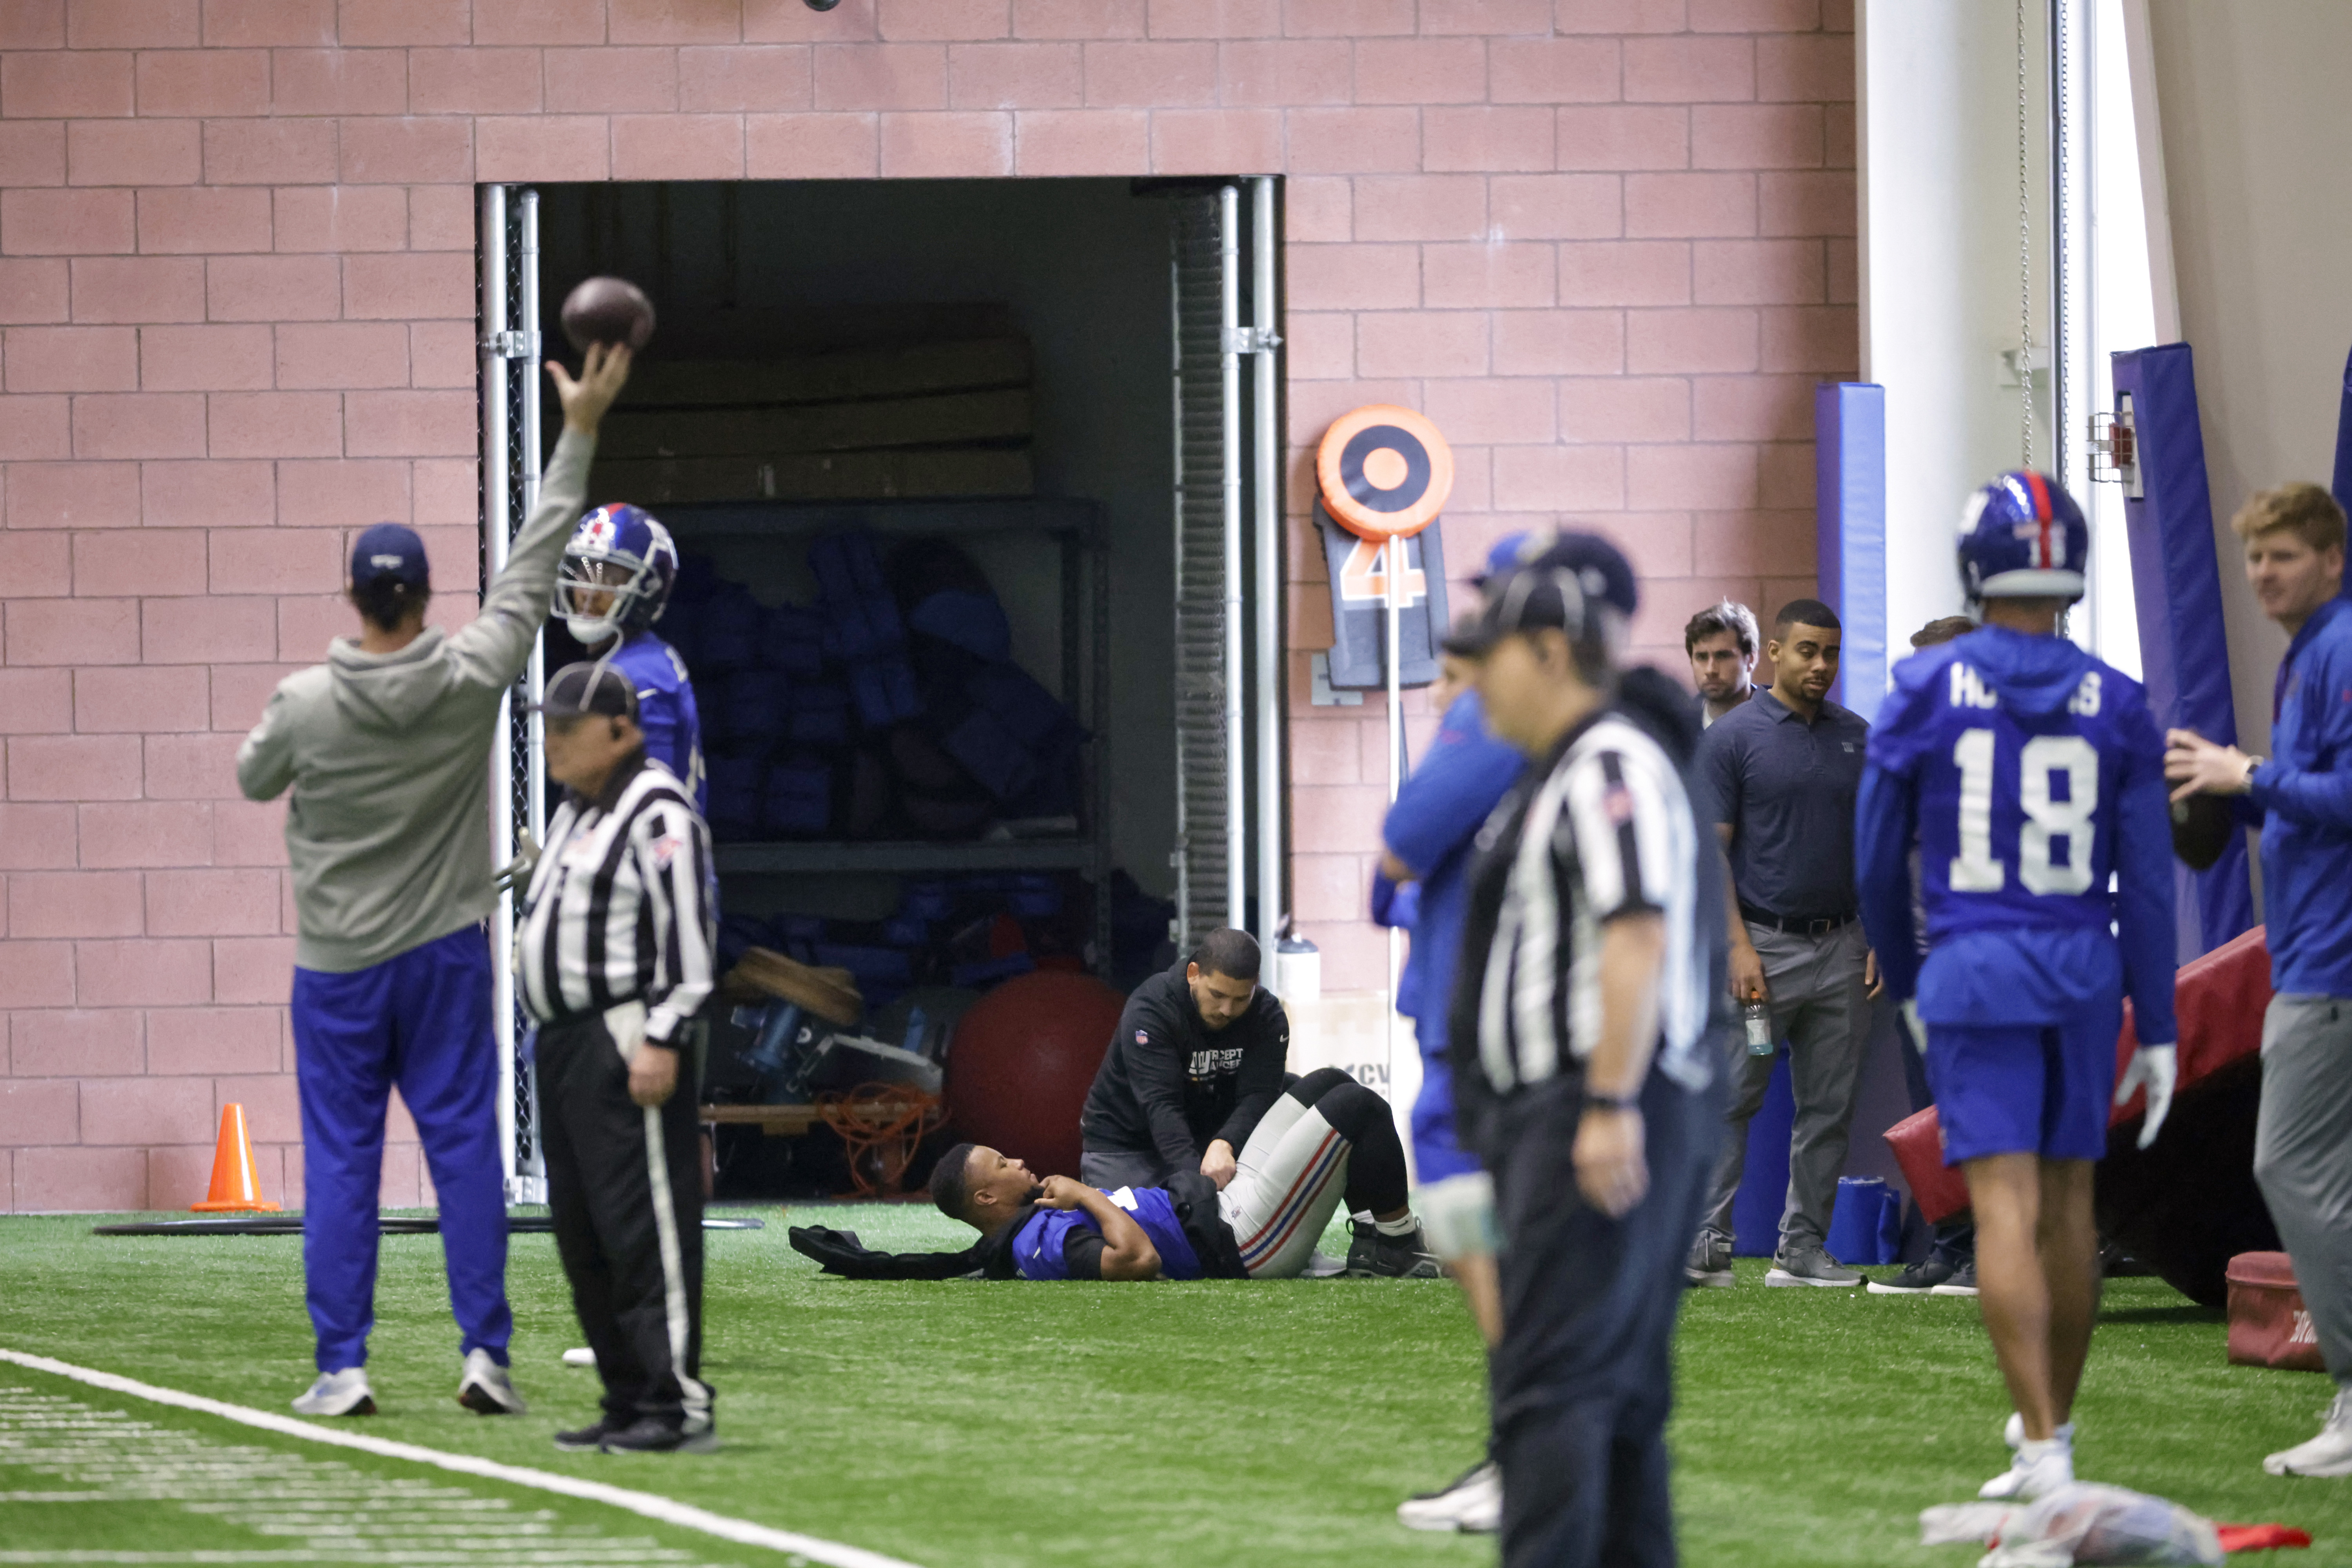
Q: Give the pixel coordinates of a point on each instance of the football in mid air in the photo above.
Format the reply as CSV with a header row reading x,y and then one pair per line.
x,y
608,310
2202,825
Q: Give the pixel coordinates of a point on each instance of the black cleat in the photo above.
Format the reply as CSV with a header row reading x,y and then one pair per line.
x,y
1372,1255
650,1434
1916,1280
586,1439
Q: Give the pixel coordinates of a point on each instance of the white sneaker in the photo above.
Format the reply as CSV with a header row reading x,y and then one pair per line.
x,y
2037,1470
2012,1432
1472,1505
2329,1454
485,1389
580,1356
344,1392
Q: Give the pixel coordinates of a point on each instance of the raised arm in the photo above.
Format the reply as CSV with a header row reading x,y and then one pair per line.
x,y
493,648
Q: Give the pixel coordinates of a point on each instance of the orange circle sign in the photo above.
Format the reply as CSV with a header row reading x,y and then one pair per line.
x,y
1384,471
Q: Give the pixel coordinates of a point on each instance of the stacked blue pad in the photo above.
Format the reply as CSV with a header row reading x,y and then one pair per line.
x,y
792,638
735,796
1015,734
885,692
728,638
862,617
754,710
798,800
974,623
819,717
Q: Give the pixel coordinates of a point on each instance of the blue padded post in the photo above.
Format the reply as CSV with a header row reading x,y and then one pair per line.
x,y
1850,502
2343,485
2177,588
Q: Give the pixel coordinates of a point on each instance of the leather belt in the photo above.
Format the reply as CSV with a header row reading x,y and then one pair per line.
x,y
1795,925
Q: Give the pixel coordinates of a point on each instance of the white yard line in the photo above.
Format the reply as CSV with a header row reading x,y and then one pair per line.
x,y
666,1510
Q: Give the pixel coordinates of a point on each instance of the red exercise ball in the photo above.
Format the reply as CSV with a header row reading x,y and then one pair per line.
x,y
1022,1062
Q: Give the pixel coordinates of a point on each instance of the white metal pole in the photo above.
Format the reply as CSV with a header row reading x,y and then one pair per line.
x,y
1236,731
1395,601
531,1178
497,530
1265,454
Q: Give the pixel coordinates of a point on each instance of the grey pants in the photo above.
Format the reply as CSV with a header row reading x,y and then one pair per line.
x,y
2302,1157
1113,1169
1819,1007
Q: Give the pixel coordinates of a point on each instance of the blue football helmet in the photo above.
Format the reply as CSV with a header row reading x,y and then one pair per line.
x,y
2022,536
622,553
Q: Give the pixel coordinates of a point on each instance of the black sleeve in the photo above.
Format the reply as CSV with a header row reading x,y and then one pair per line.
x,y
1155,1069
1082,1252
1266,1059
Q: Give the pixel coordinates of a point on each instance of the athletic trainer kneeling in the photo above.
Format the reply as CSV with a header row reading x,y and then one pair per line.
x,y
615,955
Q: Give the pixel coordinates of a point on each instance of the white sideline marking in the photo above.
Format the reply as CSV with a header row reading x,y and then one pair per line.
x,y
668,1511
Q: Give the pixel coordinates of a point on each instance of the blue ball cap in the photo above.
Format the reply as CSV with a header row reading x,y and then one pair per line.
x,y
390,550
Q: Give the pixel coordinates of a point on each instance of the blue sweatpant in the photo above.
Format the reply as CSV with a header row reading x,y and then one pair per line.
x,y
421,1020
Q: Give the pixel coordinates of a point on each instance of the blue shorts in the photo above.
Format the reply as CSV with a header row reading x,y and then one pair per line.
x,y
1437,1152
2022,1088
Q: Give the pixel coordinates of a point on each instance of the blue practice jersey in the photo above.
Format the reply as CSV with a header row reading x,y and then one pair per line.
x,y
665,712
2031,777
1040,1247
1439,810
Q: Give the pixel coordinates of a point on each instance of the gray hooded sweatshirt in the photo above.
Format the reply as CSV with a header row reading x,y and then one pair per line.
x,y
389,757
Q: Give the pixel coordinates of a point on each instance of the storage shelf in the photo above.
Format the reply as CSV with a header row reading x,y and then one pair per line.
x,y
1053,515
995,855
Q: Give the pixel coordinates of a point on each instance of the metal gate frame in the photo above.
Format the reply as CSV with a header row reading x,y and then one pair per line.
x,y
508,246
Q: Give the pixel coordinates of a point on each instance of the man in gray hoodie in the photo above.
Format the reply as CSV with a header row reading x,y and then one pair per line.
x,y
387,749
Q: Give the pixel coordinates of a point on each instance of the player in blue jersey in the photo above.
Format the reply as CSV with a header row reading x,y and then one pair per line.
x,y
2030,776
617,574
1325,1137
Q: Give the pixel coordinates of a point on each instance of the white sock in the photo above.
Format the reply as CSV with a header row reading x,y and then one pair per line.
x,y
1404,1226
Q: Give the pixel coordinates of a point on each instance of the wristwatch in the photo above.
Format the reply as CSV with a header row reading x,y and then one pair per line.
x,y
1612,1101
2246,784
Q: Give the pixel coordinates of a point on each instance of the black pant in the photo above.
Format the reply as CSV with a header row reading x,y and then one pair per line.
x,y
1583,1379
625,1183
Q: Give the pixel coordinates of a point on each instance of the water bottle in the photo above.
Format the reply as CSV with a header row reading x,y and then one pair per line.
x,y
1757,1016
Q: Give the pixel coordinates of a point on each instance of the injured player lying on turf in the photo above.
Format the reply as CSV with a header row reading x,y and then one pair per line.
x,y
1326,1136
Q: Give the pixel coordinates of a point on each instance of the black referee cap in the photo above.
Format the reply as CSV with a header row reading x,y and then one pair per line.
x,y
1572,581
577,690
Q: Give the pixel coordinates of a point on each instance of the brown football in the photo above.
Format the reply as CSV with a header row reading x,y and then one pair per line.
x,y
608,310
2202,827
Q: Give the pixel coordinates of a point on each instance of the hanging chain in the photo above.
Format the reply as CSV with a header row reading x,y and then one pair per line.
x,y
2024,254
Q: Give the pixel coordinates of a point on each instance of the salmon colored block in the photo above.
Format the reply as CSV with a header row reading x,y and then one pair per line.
x,y
235,1189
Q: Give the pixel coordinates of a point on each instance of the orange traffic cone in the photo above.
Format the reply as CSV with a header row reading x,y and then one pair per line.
x,y
235,1188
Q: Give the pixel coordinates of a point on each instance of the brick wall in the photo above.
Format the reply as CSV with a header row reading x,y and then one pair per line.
x,y
1607,244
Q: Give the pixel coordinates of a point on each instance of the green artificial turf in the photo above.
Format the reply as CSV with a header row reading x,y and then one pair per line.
x,y
972,1423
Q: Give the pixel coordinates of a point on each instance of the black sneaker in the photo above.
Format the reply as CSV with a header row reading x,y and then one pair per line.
x,y
1963,1281
1372,1255
1916,1280
1709,1263
585,1439
650,1434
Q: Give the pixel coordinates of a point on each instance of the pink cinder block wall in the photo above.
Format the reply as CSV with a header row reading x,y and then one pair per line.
x,y
1607,244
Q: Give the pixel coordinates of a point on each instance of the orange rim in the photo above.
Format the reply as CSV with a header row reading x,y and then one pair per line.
x,y
1384,471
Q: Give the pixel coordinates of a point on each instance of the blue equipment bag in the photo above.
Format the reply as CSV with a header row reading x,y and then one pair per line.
x,y
1866,1225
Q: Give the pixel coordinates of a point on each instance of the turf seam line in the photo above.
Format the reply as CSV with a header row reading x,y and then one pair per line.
x,y
649,1505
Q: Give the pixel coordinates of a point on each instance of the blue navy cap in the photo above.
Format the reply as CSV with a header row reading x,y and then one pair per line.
x,y
1557,580
390,550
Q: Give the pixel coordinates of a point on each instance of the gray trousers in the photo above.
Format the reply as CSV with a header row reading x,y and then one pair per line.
x,y
2302,1157
1819,1007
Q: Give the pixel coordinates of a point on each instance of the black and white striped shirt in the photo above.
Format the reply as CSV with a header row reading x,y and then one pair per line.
x,y
619,909
1607,832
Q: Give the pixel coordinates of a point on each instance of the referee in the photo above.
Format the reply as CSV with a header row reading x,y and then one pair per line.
x,y
1584,912
615,955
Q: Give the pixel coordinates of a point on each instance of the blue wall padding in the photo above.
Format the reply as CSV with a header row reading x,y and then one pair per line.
x,y
1764,1178
1850,508
2343,486
2177,589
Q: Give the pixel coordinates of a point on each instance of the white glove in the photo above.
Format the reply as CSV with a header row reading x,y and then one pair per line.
x,y
2152,1068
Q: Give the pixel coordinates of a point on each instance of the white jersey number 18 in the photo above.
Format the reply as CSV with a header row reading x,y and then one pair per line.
x,y
1974,868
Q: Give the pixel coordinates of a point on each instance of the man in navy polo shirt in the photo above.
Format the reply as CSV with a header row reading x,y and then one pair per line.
x,y
1786,766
